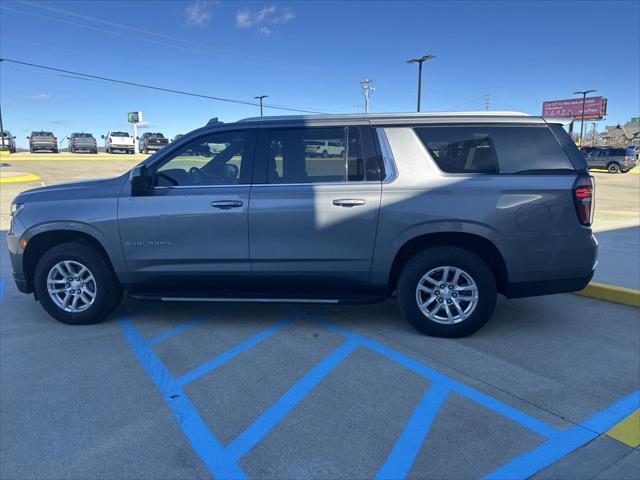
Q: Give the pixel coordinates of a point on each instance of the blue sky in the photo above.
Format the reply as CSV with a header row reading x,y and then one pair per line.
x,y
307,55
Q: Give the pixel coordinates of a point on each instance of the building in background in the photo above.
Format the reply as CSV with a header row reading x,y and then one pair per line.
x,y
621,134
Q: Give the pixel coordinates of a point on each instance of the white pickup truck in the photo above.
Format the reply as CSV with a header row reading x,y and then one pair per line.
x,y
119,141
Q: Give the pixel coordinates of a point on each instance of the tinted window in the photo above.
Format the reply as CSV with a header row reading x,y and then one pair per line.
x,y
82,135
315,155
119,134
492,149
214,159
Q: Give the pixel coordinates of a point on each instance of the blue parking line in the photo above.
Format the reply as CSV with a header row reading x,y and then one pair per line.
x,y
180,328
261,426
501,408
203,442
408,445
233,351
2,283
527,464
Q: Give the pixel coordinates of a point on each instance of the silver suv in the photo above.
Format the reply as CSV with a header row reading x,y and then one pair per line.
x,y
443,211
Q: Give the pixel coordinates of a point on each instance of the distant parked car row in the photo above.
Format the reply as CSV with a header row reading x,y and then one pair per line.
x,y
615,160
114,141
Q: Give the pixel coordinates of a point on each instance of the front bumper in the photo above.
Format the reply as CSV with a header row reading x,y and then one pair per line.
x,y
16,255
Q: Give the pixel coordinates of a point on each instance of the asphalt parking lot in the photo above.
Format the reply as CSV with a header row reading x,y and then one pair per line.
x,y
323,392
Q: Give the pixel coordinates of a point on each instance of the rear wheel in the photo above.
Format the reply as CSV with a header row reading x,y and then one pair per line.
x,y
75,284
447,292
613,167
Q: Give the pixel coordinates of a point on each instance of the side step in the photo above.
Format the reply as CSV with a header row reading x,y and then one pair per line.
x,y
359,299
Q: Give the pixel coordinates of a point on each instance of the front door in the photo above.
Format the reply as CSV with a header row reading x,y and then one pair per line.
x,y
312,224
191,230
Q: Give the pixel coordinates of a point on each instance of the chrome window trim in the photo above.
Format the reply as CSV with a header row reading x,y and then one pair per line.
x,y
391,172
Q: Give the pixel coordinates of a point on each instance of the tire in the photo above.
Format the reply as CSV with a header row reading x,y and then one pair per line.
x,y
108,150
95,152
431,260
324,154
107,290
55,150
613,167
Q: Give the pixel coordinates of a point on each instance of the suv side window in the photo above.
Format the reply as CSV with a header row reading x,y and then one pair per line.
x,y
213,159
494,149
315,155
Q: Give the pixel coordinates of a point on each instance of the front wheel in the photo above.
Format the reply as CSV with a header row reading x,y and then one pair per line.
x,y
75,284
447,292
613,167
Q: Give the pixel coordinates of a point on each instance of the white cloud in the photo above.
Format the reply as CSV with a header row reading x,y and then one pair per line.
x,y
263,18
199,13
40,97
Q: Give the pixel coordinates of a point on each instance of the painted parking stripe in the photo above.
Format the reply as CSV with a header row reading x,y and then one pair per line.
x,y
2,283
203,442
628,430
233,351
533,461
261,426
182,327
501,408
408,445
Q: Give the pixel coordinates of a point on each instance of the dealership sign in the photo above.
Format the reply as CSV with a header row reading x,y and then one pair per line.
x,y
134,117
594,108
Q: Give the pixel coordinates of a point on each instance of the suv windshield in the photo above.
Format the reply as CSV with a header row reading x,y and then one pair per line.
x,y
156,135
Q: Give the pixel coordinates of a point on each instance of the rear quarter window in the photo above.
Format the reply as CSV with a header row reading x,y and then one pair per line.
x,y
495,149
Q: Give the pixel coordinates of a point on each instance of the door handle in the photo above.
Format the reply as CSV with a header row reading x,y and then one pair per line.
x,y
226,204
348,202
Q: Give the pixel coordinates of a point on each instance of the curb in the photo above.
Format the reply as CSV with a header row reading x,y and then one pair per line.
x,y
612,293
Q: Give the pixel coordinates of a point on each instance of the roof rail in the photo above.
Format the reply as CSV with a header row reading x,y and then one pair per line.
x,y
373,116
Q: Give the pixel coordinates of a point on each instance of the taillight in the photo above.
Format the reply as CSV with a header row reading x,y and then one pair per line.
x,y
583,198
55,139
628,159
74,141
109,139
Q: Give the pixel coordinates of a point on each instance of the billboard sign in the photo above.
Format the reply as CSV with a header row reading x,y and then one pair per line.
x,y
134,117
595,108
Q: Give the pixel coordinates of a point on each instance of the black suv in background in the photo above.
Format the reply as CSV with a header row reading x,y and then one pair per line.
x,y
152,141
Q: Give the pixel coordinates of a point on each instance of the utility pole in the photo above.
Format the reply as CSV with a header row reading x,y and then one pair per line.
x,y
420,61
487,102
593,134
261,97
366,89
584,97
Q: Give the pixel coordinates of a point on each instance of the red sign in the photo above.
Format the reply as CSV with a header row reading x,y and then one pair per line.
x,y
594,108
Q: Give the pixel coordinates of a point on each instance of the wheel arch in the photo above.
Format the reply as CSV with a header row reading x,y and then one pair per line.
x,y
41,242
477,244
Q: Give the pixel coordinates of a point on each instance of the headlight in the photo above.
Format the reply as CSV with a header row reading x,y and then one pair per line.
x,y
16,208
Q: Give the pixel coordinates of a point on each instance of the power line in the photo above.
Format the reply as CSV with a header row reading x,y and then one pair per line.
x,y
162,89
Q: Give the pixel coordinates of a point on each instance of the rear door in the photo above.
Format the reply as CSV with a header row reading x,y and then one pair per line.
x,y
191,230
313,218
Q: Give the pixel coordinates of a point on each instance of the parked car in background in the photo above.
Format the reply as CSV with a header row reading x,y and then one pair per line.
x,y
82,142
119,141
9,142
636,148
324,148
615,160
152,141
41,140
177,137
442,211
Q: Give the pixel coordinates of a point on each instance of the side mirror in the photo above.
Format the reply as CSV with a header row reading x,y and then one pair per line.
x,y
102,137
137,138
139,179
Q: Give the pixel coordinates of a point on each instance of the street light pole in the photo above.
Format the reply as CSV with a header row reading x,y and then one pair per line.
x,y
261,97
584,98
420,61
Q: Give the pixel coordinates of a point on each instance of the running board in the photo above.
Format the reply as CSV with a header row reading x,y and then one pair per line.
x,y
353,300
